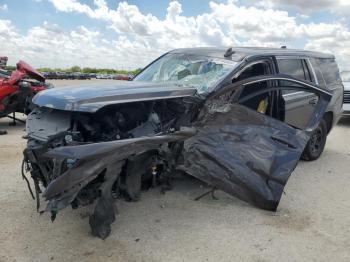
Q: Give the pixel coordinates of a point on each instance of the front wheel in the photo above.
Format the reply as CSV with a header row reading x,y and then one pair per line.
x,y
317,142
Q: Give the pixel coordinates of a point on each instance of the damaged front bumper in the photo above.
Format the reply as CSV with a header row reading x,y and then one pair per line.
x,y
95,172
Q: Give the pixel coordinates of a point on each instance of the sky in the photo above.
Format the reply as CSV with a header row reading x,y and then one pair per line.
x,y
130,34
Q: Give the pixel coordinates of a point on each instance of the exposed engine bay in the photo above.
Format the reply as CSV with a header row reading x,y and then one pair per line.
x,y
113,122
49,128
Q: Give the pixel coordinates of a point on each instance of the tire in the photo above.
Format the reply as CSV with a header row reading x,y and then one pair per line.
x,y
317,142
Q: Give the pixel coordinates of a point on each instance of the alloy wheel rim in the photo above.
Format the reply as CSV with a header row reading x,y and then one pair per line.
x,y
316,141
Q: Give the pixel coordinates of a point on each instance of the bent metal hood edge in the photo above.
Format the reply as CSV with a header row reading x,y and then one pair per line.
x,y
91,97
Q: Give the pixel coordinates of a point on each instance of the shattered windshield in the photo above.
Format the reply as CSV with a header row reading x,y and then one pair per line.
x,y
186,70
345,76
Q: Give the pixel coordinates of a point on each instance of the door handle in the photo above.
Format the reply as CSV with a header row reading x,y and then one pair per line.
x,y
313,101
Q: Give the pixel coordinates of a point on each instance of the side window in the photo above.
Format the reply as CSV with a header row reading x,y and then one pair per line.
x,y
326,70
263,102
257,69
318,72
259,97
296,68
292,67
295,109
308,75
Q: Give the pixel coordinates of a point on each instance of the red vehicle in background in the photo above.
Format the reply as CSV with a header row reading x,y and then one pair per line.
x,y
122,77
18,88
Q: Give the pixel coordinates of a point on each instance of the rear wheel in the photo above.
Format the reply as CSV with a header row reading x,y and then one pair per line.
x,y
317,142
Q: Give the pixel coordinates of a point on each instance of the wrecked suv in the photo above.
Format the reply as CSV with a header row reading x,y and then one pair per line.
x,y
237,119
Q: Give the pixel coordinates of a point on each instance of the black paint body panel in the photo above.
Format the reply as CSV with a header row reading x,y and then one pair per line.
x,y
90,98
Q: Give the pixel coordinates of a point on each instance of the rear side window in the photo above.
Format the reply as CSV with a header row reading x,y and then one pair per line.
x,y
294,67
328,68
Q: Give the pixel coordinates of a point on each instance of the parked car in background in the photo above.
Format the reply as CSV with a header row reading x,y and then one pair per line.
x,y
92,75
55,75
80,76
122,77
238,119
47,75
346,81
104,76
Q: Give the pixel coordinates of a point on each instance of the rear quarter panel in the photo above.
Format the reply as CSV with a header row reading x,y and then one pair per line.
x,y
336,104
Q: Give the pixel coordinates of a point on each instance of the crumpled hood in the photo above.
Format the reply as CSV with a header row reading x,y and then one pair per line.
x,y
24,69
93,96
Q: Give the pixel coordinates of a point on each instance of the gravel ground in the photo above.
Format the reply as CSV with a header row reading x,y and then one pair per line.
x,y
312,222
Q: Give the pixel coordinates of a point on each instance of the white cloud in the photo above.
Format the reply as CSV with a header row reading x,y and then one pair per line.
x,y
3,7
336,39
337,6
142,37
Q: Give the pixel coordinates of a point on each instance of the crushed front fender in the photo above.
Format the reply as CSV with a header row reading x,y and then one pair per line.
x,y
92,160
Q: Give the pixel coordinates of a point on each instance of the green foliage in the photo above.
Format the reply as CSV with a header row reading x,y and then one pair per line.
x,y
75,69
86,70
10,68
89,70
46,69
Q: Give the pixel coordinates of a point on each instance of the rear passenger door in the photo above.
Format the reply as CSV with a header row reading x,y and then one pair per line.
x,y
298,104
244,152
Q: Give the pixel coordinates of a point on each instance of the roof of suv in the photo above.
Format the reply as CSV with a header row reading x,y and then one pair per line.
x,y
243,52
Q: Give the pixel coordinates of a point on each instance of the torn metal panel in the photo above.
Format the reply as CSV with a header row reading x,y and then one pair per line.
x,y
245,154
93,160
119,148
45,123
